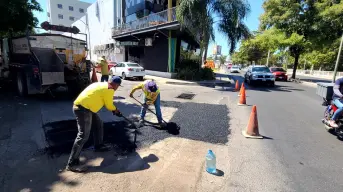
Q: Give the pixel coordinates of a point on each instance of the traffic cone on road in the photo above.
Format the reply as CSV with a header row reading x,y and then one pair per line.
x,y
94,78
237,86
240,91
252,128
242,98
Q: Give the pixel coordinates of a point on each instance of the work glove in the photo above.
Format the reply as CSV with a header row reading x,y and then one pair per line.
x,y
117,113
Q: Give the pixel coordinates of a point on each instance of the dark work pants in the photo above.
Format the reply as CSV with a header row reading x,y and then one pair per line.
x,y
86,120
104,78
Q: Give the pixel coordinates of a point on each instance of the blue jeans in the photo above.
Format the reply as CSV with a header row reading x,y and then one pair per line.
x,y
157,104
339,111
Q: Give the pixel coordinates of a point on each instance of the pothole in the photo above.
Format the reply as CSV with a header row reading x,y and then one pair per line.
x,y
61,135
188,96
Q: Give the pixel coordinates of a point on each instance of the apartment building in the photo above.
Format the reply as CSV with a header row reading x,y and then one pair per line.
x,y
65,12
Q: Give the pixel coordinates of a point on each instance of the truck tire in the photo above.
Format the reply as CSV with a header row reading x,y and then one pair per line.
x,y
21,84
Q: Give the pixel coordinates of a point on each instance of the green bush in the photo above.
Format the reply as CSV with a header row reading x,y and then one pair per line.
x,y
195,74
188,64
186,74
206,74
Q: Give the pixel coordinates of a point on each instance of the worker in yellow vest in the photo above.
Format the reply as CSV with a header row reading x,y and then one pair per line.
x,y
104,69
86,105
151,96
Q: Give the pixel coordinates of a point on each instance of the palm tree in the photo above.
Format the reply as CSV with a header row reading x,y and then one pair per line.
x,y
200,17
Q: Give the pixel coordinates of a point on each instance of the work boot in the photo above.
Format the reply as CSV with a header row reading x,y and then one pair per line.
x,y
75,166
102,148
162,125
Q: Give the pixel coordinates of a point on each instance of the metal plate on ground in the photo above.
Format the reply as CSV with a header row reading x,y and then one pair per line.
x,y
186,96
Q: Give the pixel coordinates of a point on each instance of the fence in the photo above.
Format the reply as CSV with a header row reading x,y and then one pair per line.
x,y
153,19
324,74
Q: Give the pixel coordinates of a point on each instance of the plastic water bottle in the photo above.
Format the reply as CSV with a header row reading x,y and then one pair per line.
x,y
211,162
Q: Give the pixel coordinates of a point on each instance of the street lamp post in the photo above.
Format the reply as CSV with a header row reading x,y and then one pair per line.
x,y
89,36
337,61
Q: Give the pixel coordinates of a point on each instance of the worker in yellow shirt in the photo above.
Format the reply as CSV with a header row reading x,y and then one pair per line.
x,y
104,69
85,107
151,96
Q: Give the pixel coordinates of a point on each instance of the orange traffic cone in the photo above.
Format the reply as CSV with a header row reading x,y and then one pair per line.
x,y
252,128
242,98
94,78
237,86
240,91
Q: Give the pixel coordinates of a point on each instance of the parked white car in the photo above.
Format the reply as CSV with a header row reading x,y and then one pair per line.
x,y
234,69
128,70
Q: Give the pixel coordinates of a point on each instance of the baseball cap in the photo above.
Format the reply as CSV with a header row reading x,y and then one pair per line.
x,y
116,80
152,87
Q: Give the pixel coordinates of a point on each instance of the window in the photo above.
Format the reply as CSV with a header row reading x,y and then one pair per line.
x,y
60,6
133,65
71,18
71,8
260,69
60,16
81,10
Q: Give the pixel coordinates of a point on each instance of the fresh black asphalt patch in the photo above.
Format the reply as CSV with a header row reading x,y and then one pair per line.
x,y
198,121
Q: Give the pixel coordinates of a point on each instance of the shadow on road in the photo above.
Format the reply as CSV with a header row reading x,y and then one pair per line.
x,y
122,164
39,172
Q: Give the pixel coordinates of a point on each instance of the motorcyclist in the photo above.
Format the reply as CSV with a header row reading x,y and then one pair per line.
x,y
337,99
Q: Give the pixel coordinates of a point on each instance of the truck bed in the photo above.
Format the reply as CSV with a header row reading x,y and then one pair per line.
x,y
50,66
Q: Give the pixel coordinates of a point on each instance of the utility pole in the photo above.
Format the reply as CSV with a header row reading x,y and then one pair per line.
x,y
268,58
337,61
89,36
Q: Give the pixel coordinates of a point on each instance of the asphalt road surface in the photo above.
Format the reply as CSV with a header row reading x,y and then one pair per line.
x,y
291,115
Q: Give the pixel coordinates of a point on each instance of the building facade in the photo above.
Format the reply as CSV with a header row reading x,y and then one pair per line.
x,y
65,12
97,24
142,31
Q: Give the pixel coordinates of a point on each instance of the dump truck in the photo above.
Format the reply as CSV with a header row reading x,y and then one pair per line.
x,y
41,63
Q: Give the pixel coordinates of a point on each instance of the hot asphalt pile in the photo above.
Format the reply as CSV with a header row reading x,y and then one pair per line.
x,y
198,121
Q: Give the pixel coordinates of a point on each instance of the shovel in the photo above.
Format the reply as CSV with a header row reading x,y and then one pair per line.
x,y
171,127
132,125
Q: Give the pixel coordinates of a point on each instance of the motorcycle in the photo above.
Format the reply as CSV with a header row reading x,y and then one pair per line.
x,y
328,113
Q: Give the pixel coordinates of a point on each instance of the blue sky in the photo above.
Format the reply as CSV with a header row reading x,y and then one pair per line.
x,y
252,22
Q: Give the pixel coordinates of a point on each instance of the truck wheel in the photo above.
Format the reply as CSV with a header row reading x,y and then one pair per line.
x,y
21,84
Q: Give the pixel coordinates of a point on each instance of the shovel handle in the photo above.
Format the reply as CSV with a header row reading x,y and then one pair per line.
x,y
148,108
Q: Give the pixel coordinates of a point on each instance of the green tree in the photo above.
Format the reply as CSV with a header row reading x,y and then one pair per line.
x,y
251,51
16,16
200,17
222,59
306,24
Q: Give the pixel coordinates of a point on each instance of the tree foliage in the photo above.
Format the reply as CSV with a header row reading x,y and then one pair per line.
x,y
222,59
201,16
16,16
308,25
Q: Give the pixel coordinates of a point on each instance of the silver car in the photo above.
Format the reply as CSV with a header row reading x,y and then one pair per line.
x,y
259,74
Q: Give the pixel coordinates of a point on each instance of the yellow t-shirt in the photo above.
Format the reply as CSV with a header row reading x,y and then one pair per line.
x,y
151,96
95,96
104,67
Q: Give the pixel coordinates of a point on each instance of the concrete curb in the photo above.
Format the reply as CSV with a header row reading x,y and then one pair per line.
x,y
192,83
